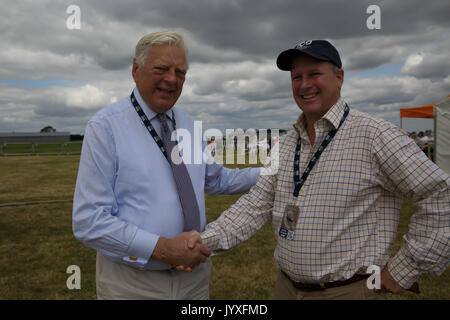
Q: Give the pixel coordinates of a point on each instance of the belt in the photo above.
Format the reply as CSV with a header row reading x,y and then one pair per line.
x,y
322,286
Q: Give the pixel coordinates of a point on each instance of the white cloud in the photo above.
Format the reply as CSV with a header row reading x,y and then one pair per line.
x,y
427,65
412,62
87,97
19,63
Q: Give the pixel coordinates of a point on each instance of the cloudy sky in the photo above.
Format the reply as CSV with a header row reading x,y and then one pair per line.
x,y
53,75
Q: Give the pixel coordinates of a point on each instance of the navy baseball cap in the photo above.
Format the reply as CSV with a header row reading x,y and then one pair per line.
x,y
319,49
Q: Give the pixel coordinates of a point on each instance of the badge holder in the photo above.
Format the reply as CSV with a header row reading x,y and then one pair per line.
x,y
289,222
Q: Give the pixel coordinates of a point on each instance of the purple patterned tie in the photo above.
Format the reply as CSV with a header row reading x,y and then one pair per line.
x,y
186,192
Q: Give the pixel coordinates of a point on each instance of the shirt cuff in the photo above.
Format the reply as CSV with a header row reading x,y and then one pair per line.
x,y
210,239
142,246
403,269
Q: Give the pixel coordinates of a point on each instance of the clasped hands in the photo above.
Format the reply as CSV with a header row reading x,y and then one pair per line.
x,y
184,252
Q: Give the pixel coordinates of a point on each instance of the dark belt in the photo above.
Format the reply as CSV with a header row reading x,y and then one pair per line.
x,y
322,286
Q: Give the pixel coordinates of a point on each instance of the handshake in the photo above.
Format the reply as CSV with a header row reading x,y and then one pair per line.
x,y
184,252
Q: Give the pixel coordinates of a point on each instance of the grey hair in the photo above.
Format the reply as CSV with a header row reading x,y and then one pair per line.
x,y
155,39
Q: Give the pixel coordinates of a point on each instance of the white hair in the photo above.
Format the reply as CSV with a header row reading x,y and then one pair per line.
x,y
155,39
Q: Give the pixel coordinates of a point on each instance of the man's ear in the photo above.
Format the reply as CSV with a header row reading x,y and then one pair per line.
x,y
340,76
134,69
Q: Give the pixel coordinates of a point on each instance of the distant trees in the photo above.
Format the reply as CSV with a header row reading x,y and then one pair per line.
x,y
48,129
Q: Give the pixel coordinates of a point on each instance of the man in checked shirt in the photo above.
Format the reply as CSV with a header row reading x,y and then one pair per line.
x,y
342,217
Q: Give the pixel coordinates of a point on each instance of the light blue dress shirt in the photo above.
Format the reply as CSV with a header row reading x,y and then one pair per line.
x,y
126,196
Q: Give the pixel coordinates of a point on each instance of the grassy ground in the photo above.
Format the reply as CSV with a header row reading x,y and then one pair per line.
x,y
40,148
37,244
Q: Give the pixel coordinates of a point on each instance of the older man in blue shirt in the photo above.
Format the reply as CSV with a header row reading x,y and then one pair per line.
x,y
126,202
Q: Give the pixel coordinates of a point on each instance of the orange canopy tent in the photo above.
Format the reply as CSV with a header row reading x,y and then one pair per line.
x,y
426,111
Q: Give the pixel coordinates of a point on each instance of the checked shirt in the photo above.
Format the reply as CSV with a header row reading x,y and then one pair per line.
x,y
349,205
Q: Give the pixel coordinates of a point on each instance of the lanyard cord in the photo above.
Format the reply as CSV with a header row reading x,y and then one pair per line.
x,y
149,126
298,182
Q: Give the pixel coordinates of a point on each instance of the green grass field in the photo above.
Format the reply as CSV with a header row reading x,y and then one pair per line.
x,y
44,148
37,244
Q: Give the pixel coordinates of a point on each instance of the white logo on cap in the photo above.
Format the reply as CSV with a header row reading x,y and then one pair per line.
x,y
303,44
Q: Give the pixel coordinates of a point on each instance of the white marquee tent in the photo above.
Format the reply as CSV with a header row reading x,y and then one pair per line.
x,y
442,134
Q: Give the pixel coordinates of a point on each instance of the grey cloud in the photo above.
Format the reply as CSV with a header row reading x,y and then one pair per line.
x,y
246,80
232,49
261,28
220,30
384,96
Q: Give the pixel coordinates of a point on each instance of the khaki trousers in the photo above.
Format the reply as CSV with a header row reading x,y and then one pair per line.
x,y
116,281
284,290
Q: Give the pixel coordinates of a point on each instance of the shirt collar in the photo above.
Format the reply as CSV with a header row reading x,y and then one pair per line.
x,y
149,111
333,116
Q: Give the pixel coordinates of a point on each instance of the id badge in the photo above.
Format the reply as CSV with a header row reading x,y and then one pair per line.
x,y
290,217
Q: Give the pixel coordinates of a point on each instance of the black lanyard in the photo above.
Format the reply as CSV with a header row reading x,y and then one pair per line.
x,y
298,182
148,125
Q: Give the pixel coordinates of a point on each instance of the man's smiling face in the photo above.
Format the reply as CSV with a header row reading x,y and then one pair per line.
x,y
316,85
160,80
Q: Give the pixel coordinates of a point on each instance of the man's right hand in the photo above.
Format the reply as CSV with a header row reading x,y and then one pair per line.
x,y
175,252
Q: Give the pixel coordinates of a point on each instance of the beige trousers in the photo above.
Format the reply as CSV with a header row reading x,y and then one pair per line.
x,y
116,281
284,290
